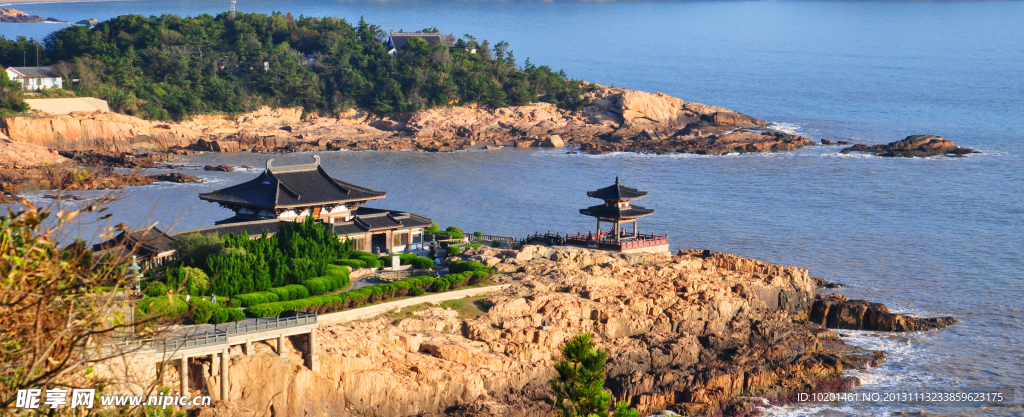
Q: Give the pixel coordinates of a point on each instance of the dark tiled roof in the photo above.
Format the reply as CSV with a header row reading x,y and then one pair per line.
x,y
617,192
36,72
348,228
606,212
398,39
149,240
292,186
253,228
367,219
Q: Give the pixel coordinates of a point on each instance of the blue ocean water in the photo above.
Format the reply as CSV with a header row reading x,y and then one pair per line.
x,y
935,236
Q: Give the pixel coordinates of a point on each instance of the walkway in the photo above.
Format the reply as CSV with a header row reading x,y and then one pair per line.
x,y
375,310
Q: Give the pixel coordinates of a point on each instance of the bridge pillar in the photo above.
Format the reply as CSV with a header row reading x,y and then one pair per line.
x,y
311,356
249,351
281,348
214,365
183,373
225,387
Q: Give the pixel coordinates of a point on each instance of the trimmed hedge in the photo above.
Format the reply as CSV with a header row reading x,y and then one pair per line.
x,y
317,286
371,294
251,299
413,259
351,263
463,266
422,263
296,291
454,251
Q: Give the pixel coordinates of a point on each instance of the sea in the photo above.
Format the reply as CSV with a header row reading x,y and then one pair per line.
x,y
926,236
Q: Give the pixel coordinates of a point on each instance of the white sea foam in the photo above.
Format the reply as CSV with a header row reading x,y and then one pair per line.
x,y
785,127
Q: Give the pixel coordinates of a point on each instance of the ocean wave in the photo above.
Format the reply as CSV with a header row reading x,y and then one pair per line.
x,y
785,127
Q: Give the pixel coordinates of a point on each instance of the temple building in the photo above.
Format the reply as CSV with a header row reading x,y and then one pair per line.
x,y
619,211
290,193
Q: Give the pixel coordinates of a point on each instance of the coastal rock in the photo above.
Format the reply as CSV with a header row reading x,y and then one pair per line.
x,y
837,312
18,16
176,177
220,168
27,155
553,141
913,146
695,333
105,132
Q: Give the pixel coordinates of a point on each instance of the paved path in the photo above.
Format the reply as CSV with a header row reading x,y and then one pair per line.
x,y
378,309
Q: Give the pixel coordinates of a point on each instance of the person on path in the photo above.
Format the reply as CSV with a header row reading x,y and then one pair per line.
x,y
213,298
229,301
188,298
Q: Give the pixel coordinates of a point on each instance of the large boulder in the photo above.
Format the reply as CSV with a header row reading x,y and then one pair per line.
x,y
553,141
639,107
27,155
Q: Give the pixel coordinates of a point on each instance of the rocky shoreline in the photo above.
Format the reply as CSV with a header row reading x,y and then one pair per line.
x,y
695,333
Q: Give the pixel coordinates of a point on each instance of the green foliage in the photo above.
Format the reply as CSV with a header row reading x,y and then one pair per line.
x,y
371,294
478,235
622,409
296,291
352,263
472,266
12,98
202,311
474,245
251,299
317,286
168,66
172,307
235,314
496,244
371,261
422,263
194,248
155,289
579,387
338,276
454,251
190,280
452,232
220,316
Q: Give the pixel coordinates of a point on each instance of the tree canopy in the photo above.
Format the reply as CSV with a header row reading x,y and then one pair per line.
x,y
164,67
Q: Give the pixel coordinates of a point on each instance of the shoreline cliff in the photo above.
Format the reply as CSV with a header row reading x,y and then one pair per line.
x,y
697,333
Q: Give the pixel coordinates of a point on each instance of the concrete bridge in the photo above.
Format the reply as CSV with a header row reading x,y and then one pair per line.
x,y
217,344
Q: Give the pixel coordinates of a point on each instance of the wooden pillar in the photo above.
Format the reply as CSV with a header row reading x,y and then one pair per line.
x,y
314,359
183,373
635,234
225,387
617,237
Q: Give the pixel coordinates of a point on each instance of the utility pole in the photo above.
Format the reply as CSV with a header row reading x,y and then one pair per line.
x,y
233,9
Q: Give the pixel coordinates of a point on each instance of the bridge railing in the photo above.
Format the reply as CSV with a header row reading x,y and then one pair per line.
x,y
263,324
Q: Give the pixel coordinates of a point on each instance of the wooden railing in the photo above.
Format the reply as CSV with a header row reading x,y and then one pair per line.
x,y
493,238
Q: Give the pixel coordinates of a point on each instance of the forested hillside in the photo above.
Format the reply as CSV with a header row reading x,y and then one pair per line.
x,y
170,67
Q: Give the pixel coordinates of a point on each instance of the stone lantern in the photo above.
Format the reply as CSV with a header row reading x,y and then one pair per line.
x,y
133,272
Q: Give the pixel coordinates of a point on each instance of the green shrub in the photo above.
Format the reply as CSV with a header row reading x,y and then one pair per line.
x,y
463,266
338,275
156,289
202,310
235,314
351,263
454,251
496,244
370,260
220,315
173,308
478,235
475,245
282,293
251,299
422,263
317,286
296,291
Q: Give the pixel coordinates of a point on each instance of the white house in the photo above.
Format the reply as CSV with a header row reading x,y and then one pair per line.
x,y
36,78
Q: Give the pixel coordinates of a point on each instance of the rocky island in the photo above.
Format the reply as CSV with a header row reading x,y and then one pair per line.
x,y
17,16
914,146
696,333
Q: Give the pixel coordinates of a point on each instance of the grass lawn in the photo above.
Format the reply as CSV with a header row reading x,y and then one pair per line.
x,y
468,308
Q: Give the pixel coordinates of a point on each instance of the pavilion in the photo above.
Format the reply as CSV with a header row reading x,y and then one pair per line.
x,y
618,210
295,192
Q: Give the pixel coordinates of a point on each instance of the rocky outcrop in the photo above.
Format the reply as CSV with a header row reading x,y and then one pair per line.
x,y
913,146
18,16
837,312
97,131
615,120
697,333
27,155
